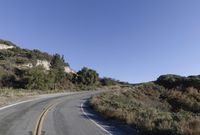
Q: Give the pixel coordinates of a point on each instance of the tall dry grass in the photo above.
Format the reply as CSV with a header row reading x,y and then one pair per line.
x,y
153,109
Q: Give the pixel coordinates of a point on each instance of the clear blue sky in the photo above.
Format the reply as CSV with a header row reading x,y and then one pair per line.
x,y
130,40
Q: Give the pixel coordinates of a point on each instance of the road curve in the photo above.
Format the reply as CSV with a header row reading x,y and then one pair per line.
x,y
59,115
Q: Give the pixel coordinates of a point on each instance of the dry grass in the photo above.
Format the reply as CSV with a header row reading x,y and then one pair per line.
x,y
8,96
6,92
150,109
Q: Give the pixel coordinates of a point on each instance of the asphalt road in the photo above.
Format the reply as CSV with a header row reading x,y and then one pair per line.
x,y
59,115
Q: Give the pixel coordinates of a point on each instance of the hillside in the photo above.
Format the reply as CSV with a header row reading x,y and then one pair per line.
x,y
24,58
34,69
168,106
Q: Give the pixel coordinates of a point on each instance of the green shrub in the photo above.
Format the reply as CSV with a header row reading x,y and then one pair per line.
x,y
108,82
170,81
175,81
149,108
36,78
193,81
8,80
87,76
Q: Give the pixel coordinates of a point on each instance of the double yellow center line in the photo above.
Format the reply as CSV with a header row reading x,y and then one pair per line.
x,y
40,121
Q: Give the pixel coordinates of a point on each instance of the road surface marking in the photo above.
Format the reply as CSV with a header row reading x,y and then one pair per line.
x,y
8,106
38,127
42,97
40,121
94,122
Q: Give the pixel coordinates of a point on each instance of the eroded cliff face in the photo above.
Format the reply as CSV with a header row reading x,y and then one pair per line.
x,y
46,64
29,63
5,47
43,63
69,70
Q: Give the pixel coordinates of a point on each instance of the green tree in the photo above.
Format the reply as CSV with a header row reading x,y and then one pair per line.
x,y
57,62
8,80
170,81
37,78
57,67
108,81
57,71
87,76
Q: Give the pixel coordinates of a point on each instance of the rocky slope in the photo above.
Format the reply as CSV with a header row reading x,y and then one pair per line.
x,y
24,58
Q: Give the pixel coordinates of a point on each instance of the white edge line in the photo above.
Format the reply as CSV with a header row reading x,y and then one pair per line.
x,y
11,105
94,122
8,106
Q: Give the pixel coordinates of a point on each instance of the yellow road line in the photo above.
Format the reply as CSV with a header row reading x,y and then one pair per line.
x,y
40,121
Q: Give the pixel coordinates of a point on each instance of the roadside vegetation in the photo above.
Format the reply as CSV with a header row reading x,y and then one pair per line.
x,y
19,70
168,106
25,73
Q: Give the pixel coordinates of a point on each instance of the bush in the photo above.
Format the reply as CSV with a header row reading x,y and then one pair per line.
x,y
170,81
87,76
108,81
189,100
8,80
153,109
6,53
175,81
193,81
36,78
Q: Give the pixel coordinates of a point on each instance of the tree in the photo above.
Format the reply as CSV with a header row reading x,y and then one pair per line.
x,y
57,72
108,81
36,78
57,67
8,80
87,76
57,62
171,81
